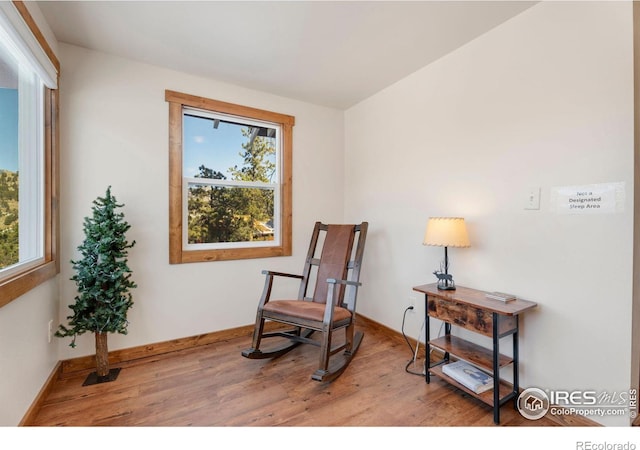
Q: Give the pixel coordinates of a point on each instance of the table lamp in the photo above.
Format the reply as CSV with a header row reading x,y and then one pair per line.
x,y
446,232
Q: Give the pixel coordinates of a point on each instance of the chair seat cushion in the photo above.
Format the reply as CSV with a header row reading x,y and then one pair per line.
x,y
305,310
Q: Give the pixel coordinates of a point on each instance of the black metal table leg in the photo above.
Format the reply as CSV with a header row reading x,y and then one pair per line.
x,y
496,371
427,359
516,356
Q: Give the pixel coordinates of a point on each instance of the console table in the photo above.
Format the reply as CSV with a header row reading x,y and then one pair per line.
x,y
472,310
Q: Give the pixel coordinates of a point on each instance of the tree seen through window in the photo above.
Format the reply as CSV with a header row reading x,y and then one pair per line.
x,y
239,205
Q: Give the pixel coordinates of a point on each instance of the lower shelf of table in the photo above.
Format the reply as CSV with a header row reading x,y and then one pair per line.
x,y
473,353
486,397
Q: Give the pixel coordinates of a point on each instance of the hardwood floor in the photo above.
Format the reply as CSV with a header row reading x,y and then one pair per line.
x,y
213,385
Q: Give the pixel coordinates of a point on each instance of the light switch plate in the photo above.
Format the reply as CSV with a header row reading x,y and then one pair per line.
x,y
533,198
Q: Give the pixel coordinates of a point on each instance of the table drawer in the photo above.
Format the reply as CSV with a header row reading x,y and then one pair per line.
x,y
468,317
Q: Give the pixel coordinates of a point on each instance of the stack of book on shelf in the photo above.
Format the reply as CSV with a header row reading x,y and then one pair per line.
x,y
501,296
469,376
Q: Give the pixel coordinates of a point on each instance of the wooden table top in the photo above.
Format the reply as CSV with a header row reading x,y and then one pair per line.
x,y
477,299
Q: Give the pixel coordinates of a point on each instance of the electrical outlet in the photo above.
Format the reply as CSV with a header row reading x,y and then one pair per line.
x,y
50,330
412,304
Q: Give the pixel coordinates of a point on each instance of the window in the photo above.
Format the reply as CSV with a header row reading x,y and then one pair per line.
x,y
230,180
21,151
28,166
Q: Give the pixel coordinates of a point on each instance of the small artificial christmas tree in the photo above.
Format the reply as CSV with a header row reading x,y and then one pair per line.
x,y
103,279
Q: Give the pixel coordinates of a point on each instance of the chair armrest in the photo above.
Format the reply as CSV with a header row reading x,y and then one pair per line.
x,y
281,274
268,282
347,282
348,302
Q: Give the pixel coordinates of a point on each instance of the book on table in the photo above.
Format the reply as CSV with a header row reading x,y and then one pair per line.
x,y
503,297
469,376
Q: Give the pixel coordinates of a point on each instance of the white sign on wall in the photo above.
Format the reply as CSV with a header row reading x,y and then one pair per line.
x,y
604,198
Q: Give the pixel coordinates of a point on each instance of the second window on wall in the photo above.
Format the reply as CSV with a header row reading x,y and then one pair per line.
x,y
232,164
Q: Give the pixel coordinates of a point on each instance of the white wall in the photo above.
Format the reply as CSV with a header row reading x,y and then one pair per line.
x,y
114,131
544,100
26,356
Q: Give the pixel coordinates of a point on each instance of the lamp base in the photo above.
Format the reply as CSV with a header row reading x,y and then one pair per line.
x,y
450,287
445,281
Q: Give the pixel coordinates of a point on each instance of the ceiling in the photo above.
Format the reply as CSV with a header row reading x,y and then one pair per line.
x,y
330,53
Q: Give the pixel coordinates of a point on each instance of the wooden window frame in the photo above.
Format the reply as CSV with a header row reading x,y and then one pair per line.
x,y
23,281
177,255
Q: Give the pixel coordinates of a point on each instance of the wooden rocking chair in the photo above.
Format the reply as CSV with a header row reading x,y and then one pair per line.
x,y
331,306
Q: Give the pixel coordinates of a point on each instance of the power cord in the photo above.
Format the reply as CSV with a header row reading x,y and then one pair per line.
x,y
415,352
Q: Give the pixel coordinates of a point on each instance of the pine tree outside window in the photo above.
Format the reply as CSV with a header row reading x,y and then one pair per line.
x,y
230,181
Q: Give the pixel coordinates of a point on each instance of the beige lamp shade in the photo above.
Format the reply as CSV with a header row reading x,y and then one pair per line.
x,y
446,232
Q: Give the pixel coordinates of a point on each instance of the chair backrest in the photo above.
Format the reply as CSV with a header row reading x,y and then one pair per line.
x,y
340,258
